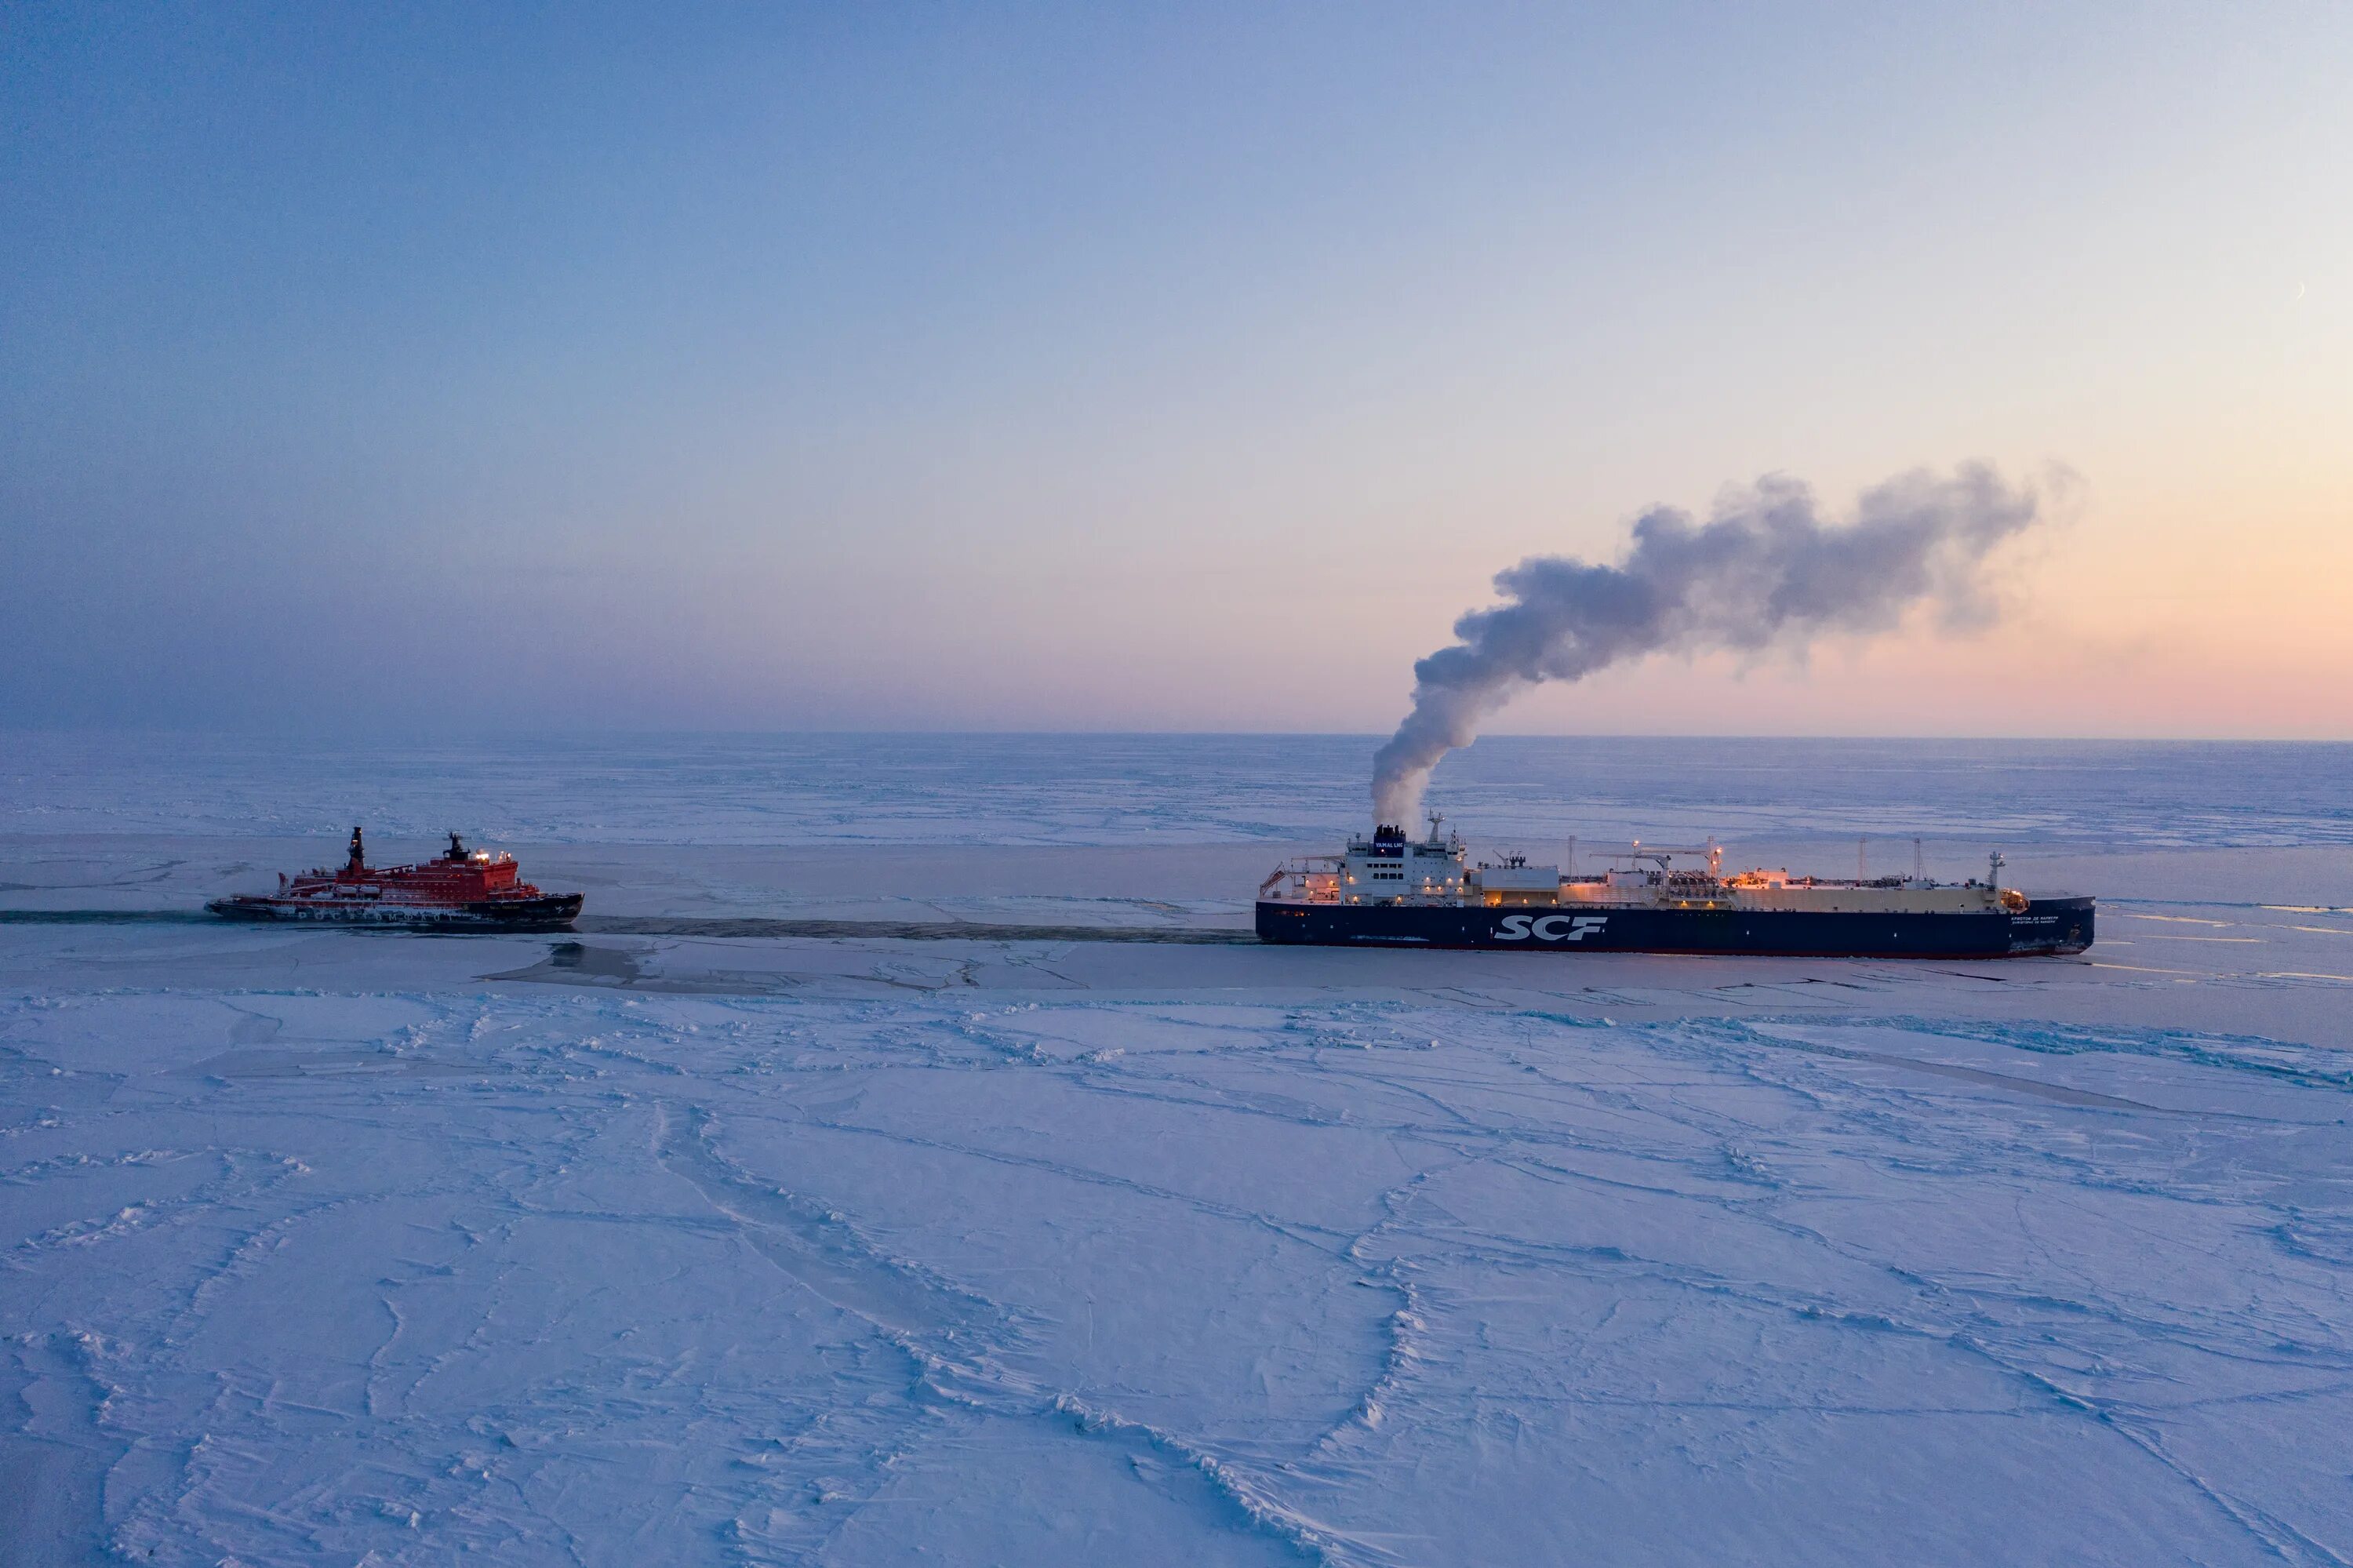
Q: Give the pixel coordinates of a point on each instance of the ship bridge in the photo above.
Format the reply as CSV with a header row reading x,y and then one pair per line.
x,y
1387,868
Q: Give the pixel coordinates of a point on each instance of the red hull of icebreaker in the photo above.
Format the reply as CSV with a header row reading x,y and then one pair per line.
x,y
456,891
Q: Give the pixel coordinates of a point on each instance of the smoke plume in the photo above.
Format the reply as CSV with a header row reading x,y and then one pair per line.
x,y
1764,571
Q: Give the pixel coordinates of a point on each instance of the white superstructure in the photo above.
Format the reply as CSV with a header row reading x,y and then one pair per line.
x,y
1389,869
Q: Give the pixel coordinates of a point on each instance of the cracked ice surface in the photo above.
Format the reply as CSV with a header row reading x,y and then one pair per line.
x,y
431,1270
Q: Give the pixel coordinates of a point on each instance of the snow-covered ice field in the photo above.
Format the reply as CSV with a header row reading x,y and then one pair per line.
x,y
348,1247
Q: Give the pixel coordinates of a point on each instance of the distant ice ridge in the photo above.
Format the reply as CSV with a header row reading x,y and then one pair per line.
x,y
666,1278
1142,789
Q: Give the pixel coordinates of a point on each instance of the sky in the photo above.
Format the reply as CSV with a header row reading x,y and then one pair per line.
x,y
1080,368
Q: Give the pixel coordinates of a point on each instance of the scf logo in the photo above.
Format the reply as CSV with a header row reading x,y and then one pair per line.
x,y
1550,928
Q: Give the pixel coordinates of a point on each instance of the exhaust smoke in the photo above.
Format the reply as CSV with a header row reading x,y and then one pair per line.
x,y
1764,571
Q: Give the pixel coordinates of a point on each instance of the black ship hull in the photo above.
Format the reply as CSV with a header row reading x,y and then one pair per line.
x,y
2046,927
554,912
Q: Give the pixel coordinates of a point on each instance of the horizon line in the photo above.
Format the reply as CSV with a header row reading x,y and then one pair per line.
x,y
411,733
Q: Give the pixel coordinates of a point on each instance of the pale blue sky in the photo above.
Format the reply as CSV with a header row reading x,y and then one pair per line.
x,y
1054,367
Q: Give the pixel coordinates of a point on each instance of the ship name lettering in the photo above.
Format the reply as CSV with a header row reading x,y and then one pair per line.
x,y
1550,928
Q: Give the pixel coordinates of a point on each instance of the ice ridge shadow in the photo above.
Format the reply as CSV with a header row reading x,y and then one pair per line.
x,y
821,1250
959,1342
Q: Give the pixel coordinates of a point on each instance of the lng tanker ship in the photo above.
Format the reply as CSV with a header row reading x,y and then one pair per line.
x,y
1387,891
